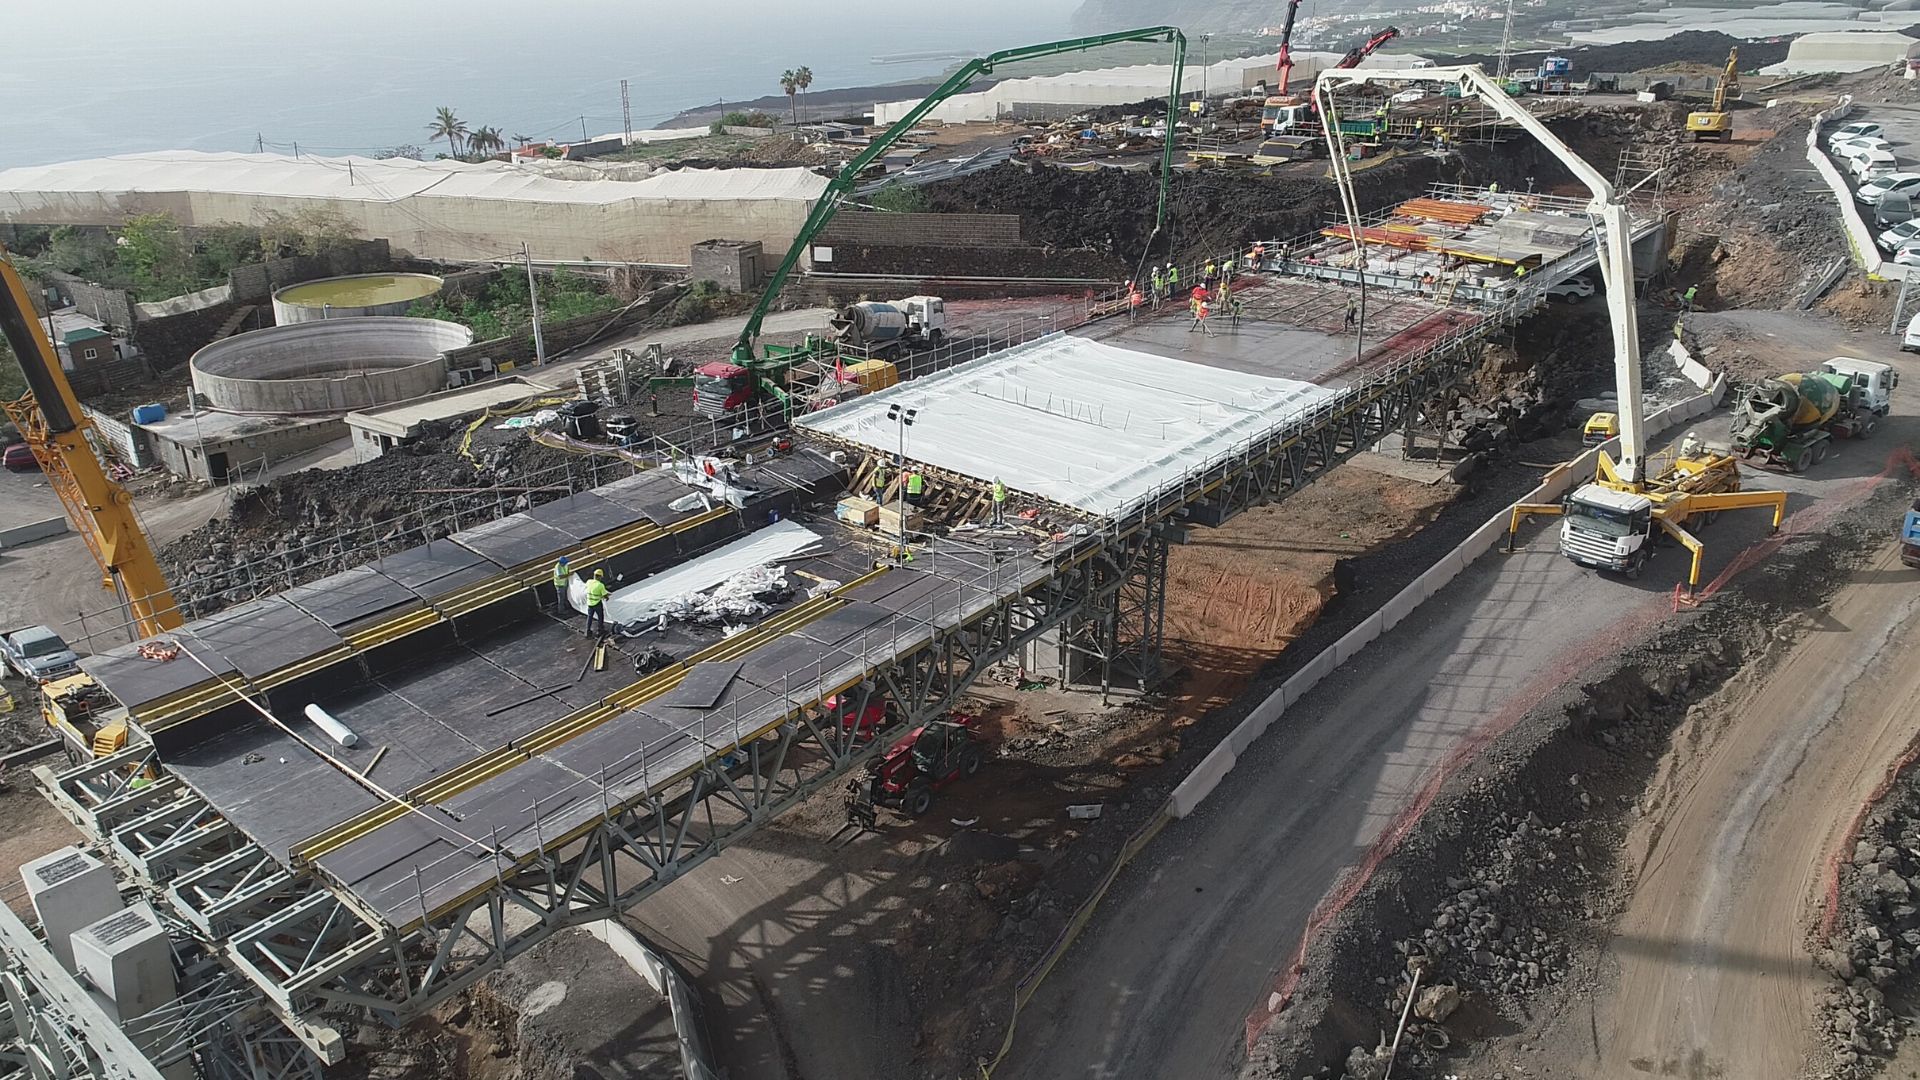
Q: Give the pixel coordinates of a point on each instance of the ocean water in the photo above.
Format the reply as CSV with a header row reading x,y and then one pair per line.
x,y
354,76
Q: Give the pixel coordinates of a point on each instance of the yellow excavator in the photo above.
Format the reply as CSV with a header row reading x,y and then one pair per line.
x,y
1716,122
55,429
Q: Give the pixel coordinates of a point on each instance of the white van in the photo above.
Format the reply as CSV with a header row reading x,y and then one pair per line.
x,y
1911,343
1873,381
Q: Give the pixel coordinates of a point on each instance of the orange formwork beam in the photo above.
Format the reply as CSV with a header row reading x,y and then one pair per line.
x,y
1454,213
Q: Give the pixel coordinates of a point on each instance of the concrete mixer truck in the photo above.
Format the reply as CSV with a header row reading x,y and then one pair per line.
x,y
881,327
1788,420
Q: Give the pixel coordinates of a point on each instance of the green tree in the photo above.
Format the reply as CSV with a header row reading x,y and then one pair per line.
x,y
790,85
449,127
900,199
522,140
802,78
156,255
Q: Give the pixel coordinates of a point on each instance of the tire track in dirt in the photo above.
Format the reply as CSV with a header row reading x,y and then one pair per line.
x,y
1711,975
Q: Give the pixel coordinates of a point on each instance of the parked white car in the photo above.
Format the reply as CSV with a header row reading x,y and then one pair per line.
x,y
1872,164
1908,254
1848,147
1855,130
1872,191
1573,290
1911,343
1900,235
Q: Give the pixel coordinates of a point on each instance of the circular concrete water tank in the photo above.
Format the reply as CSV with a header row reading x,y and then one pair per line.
x,y
352,296
333,366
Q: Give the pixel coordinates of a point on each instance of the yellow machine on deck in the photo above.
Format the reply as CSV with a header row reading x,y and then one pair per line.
x,y
49,418
1716,122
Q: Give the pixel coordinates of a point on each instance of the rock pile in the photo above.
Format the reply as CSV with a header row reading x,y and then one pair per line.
x,y
1872,953
1487,935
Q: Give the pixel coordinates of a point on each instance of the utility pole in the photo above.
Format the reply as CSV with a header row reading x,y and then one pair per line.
x,y
626,115
259,142
533,297
583,129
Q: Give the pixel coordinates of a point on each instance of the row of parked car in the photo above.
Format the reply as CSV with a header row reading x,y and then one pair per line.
x,y
1892,195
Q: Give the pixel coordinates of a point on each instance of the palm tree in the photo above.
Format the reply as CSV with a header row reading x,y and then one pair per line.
x,y
449,127
803,78
790,85
485,141
522,140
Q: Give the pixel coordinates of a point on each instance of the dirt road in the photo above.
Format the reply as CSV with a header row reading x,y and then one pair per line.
x,y
1711,975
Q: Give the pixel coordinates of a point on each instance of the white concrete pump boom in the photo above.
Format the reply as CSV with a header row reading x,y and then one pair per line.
x,y
1615,242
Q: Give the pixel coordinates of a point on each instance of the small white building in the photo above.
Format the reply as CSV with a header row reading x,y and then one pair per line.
x,y
378,430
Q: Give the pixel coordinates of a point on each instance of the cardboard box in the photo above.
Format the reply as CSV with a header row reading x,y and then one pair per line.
x,y
889,520
857,511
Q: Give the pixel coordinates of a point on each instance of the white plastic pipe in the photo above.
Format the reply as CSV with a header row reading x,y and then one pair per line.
x,y
335,730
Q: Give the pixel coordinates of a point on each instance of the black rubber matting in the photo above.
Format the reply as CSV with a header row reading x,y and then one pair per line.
x,y
136,681
349,596
514,540
584,515
436,568
263,635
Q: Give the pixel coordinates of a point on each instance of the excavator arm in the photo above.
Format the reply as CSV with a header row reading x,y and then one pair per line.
x,y
1615,235
50,420
844,182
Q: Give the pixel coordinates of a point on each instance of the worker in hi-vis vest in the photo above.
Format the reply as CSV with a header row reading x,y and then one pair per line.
x,y
562,577
597,603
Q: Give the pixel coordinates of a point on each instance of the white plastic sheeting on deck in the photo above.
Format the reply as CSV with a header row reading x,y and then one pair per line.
x,y
1082,423
650,598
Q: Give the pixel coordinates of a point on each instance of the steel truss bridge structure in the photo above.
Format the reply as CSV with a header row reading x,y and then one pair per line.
x,y
285,954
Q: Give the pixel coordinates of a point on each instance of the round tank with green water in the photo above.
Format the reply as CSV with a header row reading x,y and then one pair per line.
x,y
352,296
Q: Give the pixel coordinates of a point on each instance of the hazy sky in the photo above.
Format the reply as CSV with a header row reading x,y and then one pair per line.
x,y
211,74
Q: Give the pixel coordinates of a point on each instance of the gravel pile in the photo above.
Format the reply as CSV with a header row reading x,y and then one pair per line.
x,y
1872,953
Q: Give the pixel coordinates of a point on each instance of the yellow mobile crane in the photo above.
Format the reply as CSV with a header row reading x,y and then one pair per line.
x,y
1716,122
1611,523
49,418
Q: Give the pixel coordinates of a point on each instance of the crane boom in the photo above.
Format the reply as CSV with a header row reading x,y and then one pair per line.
x,y
50,419
1366,48
1615,240
1285,63
843,182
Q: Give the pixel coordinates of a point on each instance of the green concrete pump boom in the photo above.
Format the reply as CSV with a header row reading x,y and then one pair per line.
x,y
843,184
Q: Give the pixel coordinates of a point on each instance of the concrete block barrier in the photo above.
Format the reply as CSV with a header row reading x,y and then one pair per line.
x,y
1200,782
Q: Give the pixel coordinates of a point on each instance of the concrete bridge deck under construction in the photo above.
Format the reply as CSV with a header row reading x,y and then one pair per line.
x,y
502,788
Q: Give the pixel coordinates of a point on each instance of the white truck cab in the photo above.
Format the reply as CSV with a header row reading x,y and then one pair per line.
x,y
1606,529
1873,382
926,316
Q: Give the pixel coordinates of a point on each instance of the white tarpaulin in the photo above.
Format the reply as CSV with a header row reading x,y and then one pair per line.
x,y
647,600
1086,424
434,209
